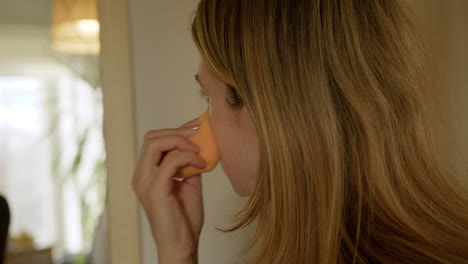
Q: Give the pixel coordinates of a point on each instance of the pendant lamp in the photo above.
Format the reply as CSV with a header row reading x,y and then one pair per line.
x,y
75,27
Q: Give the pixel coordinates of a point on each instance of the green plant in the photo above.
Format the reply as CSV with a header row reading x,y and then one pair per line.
x,y
87,69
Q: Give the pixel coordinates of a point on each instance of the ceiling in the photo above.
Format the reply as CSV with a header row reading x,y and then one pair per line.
x,y
26,12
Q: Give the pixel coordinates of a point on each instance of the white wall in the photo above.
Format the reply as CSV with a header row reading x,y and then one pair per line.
x,y
165,61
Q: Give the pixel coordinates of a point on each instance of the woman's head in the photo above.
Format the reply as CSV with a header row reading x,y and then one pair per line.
x,y
332,122
233,129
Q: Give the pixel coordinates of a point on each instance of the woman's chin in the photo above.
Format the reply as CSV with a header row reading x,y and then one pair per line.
x,y
243,194
241,190
238,188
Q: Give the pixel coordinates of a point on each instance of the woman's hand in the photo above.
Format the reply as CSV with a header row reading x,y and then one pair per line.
x,y
174,208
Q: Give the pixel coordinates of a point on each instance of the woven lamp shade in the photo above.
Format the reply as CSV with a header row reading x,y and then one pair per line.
x,y
75,27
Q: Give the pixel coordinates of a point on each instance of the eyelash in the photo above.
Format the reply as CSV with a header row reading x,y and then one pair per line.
x,y
232,100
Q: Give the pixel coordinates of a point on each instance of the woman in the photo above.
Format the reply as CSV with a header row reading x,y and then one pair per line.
x,y
4,225
319,110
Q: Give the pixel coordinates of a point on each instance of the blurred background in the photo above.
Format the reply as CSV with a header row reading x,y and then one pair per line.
x,y
52,157
72,78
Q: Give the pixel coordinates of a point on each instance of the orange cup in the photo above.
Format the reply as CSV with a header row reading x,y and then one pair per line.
x,y
208,149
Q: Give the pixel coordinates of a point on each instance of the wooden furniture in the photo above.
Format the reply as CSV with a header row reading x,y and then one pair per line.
x,y
32,256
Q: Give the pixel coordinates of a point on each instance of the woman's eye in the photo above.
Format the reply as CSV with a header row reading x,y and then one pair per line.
x,y
204,96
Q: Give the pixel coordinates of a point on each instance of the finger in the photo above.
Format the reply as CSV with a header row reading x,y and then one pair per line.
x,y
183,131
156,148
193,182
191,123
169,166
153,150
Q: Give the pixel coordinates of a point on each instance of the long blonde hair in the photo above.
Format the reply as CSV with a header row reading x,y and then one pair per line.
x,y
349,169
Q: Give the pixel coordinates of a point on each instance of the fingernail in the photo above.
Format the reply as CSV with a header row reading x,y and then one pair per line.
x,y
190,131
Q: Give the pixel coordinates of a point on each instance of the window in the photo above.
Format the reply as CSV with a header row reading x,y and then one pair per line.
x,y
52,159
